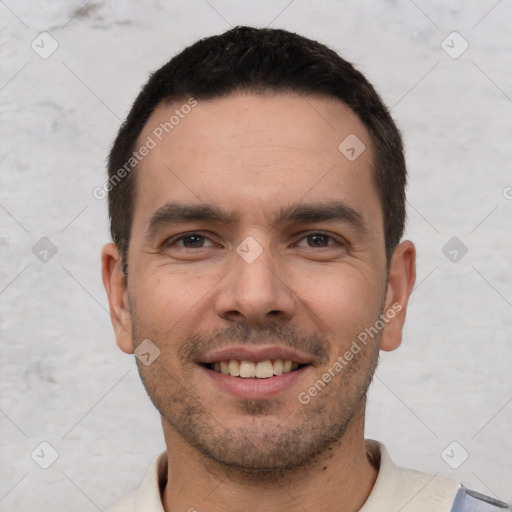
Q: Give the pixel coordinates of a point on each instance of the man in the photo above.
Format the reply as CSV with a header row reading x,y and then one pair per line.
x,y
256,195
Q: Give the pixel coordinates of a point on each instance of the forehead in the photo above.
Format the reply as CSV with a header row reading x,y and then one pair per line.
x,y
255,153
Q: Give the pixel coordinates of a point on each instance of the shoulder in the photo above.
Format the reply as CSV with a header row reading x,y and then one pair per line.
x,y
398,488
147,498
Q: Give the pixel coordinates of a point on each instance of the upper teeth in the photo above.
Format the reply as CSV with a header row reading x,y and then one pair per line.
x,y
248,369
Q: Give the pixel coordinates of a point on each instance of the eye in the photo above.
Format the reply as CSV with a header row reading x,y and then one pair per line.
x,y
318,240
190,241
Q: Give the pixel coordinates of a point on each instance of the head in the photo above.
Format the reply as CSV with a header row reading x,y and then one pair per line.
x,y
260,61
245,228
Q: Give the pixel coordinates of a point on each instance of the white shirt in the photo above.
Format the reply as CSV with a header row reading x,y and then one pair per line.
x,y
395,489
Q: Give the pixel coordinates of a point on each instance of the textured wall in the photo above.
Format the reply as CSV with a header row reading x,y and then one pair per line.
x,y
63,380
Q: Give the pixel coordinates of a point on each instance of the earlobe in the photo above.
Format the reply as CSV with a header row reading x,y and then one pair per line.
x,y
115,286
402,275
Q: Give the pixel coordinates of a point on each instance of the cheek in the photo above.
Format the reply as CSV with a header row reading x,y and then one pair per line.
x,y
166,298
345,299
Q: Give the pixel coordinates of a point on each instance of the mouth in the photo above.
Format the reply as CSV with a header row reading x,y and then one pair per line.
x,y
245,369
256,372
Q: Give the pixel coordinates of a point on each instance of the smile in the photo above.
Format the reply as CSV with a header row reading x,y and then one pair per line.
x,y
254,369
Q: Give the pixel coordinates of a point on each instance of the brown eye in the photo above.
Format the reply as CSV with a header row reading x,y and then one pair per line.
x,y
318,240
193,241
190,241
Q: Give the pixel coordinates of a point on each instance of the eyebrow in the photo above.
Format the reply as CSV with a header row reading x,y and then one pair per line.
x,y
337,211
179,213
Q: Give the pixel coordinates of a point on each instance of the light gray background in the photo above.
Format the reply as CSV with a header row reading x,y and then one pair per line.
x,y
64,381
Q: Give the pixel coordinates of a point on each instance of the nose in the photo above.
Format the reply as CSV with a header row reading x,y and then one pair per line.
x,y
256,292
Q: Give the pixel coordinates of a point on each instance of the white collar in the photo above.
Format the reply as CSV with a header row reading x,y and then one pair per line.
x,y
395,489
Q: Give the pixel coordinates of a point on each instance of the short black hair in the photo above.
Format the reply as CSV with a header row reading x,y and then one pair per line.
x,y
261,60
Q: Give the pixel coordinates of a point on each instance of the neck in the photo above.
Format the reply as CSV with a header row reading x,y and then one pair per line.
x,y
339,479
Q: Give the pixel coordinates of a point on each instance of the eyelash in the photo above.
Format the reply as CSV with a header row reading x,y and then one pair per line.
x,y
184,236
191,234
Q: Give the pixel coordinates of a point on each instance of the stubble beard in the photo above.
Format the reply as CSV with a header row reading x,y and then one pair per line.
x,y
270,446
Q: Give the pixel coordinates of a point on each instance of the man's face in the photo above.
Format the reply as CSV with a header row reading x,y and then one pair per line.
x,y
293,269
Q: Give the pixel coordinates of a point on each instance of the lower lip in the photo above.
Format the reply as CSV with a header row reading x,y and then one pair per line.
x,y
254,388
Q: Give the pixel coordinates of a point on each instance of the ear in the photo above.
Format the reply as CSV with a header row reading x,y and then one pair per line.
x,y
402,275
115,285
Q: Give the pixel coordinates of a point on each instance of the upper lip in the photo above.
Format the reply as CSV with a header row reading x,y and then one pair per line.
x,y
245,353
